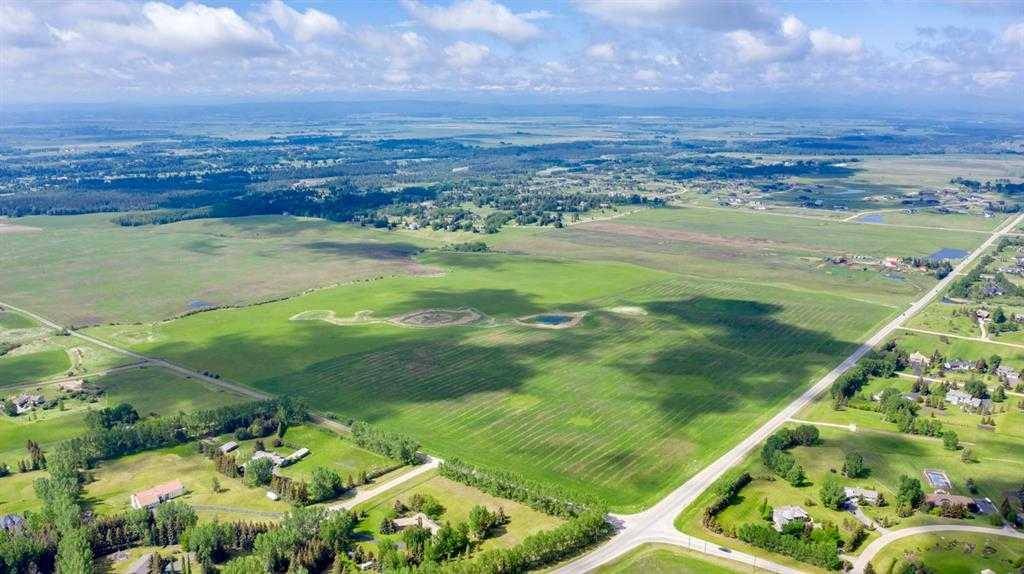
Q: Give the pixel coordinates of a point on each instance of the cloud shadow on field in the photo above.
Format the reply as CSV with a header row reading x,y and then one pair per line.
x,y
365,250
735,351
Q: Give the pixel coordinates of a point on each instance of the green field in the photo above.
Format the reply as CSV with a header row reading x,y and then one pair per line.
x,y
652,391
665,559
85,270
953,553
11,320
28,367
149,390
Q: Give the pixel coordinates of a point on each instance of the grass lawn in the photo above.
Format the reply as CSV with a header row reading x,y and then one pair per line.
x,y
150,390
954,553
17,493
28,367
11,320
119,563
116,480
653,386
458,499
667,559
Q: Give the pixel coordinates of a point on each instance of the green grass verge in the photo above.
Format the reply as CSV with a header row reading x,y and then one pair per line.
x,y
666,559
12,320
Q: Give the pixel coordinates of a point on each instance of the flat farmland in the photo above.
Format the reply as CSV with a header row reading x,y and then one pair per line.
x,y
663,373
85,270
763,248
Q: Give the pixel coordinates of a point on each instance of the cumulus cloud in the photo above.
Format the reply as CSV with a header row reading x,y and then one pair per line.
x,y
193,28
604,51
303,26
465,54
705,14
825,43
20,28
792,41
476,15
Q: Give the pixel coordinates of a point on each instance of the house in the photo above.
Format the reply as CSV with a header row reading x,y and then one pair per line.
x,y
964,400
940,497
152,497
418,519
228,446
11,522
983,314
785,514
958,365
1018,317
1008,375
25,403
273,495
919,360
861,495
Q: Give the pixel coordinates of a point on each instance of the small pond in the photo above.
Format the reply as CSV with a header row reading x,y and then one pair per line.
x,y
948,253
551,319
873,218
197,304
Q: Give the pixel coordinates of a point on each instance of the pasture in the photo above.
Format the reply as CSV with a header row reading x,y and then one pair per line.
x,y
28,367
787,250
651,392
85,270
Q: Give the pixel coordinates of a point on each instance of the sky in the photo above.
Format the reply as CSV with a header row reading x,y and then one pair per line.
x,y
960,55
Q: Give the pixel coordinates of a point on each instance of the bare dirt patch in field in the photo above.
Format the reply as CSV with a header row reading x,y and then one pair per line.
x,y
628,310
552,320
438,318
679,235
10,228
360,318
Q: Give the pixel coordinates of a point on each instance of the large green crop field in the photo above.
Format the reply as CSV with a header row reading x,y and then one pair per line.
x,y
663,373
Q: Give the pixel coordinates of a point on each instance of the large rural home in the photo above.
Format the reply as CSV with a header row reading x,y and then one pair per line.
x,y
152,497
965,400
785,514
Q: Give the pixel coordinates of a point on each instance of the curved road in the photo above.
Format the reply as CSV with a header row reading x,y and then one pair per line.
x,y
658,520
879,543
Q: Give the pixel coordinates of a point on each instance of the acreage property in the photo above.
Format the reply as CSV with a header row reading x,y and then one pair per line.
x,y
622,405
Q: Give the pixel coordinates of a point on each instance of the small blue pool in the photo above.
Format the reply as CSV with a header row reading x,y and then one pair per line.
x,y
552,319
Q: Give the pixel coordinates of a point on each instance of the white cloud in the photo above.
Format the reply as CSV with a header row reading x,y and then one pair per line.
x,y
792,41
826,43
476,15
605,51
19,27
465,54
705,14
193,28
1014,35
303,26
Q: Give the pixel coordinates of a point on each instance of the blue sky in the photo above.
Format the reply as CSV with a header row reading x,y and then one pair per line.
x,y
966,55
